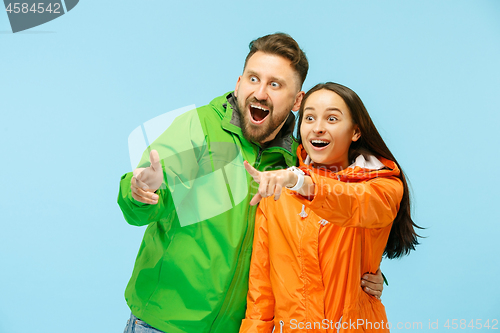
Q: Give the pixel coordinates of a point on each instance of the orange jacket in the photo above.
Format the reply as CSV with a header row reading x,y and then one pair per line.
x,y
308,256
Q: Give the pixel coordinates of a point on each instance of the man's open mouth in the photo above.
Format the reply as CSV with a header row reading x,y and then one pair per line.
x,y
258,113
319,143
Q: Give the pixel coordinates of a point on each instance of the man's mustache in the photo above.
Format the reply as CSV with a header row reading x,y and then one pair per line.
x,y
261,102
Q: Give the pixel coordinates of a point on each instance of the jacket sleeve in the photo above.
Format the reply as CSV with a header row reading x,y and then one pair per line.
x,y
370,204
260,299
179,147
138,213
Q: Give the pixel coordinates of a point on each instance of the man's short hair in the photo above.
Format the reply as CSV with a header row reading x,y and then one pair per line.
x,y
283,45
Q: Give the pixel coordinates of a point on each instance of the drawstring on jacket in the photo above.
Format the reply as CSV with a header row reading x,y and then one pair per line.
x,y
323,222
303,213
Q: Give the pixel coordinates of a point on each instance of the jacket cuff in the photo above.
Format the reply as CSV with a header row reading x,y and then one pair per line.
x,y
253,325
319,194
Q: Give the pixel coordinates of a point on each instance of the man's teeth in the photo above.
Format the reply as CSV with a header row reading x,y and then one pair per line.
x,y
260,107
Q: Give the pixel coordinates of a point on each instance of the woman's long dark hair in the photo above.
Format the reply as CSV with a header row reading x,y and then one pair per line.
x,y
403,237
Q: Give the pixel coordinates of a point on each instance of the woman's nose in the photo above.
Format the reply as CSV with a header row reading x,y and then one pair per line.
x,y
319,128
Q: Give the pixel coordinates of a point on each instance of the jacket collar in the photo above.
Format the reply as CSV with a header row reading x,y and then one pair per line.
x,y
363,168
368,162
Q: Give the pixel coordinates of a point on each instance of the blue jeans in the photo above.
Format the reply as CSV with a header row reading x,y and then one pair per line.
x,y
135,325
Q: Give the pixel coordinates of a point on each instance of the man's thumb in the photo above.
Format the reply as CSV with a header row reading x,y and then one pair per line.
x,y
154,158
137,172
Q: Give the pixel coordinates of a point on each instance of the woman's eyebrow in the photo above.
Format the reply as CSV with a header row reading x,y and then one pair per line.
x,y
307,108
334,109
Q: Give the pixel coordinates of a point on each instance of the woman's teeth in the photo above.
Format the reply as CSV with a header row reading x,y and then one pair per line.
x,y
320,143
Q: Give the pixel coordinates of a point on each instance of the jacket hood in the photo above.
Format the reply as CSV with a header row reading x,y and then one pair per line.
x,y
363,168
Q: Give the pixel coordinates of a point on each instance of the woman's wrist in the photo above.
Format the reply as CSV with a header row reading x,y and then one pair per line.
x,y
292,179
308,188
297,179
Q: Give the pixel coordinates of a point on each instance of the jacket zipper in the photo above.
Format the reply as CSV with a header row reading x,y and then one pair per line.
x,y
340,324
259,155
238,270
244,245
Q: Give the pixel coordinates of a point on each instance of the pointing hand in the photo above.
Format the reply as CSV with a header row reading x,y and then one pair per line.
x,y
147,180
271,182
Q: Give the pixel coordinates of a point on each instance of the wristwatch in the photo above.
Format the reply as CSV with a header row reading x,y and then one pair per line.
x,y
300,178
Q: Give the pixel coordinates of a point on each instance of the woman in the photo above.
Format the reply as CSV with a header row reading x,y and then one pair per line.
x,y
346,206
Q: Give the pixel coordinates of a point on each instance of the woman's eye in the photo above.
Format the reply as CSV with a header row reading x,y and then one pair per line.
x,y
309,118
332,118
275,84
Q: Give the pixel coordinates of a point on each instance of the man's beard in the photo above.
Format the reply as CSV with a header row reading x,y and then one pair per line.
x,y
259,133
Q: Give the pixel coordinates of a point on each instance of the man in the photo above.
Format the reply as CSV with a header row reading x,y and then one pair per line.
x,y
191,273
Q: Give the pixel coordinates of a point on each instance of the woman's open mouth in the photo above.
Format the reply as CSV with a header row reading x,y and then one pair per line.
x,y
258,113
318,144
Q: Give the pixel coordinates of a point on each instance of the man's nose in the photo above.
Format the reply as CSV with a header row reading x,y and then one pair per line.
x,y
261,92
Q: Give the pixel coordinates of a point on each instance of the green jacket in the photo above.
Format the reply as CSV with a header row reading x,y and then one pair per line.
x,y
191,272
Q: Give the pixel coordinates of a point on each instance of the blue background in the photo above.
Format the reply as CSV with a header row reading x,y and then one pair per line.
x,y
73,89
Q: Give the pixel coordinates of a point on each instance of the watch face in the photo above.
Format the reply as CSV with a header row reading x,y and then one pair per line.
x,y
297,170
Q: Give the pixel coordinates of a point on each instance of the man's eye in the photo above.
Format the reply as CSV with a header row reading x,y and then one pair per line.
x,y
275,84
253,79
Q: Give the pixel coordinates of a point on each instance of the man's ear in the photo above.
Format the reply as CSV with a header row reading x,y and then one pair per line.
x,y
298,100
237,86
357,134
